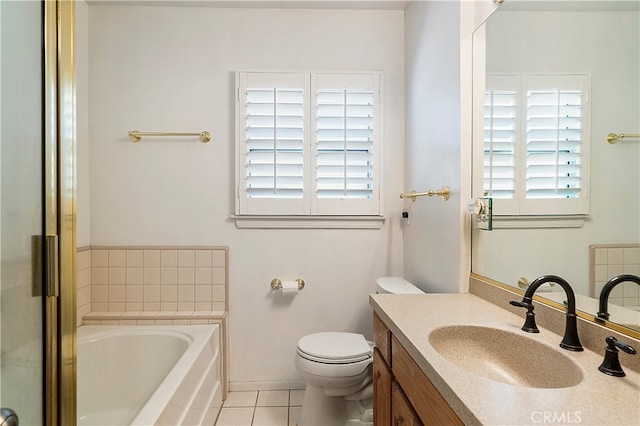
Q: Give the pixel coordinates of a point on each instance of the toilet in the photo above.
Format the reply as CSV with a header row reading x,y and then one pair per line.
x,y
337,368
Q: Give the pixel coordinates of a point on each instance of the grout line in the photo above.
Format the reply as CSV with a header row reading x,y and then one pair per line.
x,y
255,406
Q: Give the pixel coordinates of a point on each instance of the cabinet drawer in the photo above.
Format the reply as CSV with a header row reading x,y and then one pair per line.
x,y
382,338
423,396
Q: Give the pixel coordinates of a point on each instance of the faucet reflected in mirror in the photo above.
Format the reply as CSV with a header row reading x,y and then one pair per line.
x,y
503,46
570,341
603,312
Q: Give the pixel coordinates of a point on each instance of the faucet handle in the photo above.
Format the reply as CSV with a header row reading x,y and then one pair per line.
x,y
530,317
522,304
615,343
611,364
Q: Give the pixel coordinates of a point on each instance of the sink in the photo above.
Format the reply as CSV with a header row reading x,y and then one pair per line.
x,y
505,356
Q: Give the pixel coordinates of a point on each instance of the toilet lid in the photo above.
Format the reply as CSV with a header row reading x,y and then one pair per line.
x,y
334,347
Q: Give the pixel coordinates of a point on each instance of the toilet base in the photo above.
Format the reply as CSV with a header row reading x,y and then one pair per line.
x,y
320,409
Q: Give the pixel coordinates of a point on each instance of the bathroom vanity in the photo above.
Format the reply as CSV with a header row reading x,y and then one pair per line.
x,y
416,381
396,375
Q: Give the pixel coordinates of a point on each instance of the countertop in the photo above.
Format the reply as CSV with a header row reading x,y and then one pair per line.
x,y
598,399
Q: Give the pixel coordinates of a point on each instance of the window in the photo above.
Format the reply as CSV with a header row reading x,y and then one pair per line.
x,y
308,144
536,144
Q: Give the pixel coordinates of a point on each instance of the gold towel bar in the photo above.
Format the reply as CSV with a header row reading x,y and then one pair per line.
x,y
136,135
444,193
613,137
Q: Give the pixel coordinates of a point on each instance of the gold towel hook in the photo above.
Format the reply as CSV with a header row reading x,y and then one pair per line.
x,y
613,137
444,193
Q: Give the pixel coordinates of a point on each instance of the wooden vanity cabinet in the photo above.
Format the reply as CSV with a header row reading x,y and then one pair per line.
x,y
382,385
402,393
402,413
382,377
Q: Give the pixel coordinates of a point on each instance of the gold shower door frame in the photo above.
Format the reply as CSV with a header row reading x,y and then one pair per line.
x,y
60,211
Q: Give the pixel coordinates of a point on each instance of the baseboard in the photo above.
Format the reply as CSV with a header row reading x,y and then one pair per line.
x,y
266,385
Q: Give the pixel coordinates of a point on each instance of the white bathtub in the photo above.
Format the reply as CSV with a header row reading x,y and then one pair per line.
x,y
149,375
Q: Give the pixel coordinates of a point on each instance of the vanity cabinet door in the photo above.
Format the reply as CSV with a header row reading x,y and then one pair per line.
x,y
401,412
382,380
421,393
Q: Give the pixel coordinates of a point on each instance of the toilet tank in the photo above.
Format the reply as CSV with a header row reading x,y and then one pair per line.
x,y
396,285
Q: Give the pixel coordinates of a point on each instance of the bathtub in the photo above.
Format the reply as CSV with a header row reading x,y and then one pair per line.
x,y
149,375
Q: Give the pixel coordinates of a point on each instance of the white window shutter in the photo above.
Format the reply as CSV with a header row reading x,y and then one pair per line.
x,y
345,145
308,144
499,143
536,144
272,147
557,144
501,129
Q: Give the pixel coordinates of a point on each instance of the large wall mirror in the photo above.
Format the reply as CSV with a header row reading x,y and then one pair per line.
x,y
586,56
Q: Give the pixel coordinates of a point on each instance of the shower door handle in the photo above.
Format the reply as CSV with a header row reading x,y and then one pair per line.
x,y
8,417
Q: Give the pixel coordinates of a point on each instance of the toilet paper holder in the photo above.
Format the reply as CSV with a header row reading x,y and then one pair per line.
x,y
276,283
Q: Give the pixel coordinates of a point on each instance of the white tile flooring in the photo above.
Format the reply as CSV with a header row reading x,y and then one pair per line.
x,y
261,408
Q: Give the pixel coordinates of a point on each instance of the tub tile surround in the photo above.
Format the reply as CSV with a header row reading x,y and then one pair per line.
x,y
609,260
152,285
597,399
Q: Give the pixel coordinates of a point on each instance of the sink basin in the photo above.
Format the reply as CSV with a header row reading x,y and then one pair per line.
x,y
504,356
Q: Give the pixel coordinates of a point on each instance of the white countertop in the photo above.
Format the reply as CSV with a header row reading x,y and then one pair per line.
x,y
598,399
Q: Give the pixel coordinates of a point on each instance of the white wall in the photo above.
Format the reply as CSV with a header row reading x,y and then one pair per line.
x,y
605,46
83,222
171,69
434,240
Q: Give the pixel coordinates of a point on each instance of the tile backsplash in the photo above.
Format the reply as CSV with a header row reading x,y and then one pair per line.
x,y
609,260
151,279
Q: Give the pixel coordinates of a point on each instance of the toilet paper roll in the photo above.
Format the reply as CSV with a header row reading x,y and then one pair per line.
x,y
289,287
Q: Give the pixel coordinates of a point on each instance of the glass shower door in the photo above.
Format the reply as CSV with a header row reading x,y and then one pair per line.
x,y
21,210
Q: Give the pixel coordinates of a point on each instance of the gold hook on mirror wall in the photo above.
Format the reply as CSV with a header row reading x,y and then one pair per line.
x,y
613,137
444,193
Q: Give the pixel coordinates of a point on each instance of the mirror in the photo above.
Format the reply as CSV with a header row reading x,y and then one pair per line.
x,y
599,39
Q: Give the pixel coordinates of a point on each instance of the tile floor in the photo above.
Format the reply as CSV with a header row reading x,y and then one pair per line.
x,y
261,408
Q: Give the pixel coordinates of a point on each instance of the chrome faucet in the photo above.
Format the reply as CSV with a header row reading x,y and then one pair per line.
x,y
606,290
570,341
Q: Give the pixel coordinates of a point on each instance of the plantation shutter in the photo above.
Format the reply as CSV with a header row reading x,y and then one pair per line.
x,y
272,143
556,143
345,147
274,139
500,134
536,144
308,144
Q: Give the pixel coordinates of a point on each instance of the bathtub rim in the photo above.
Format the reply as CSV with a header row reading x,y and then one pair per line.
x,y
198,336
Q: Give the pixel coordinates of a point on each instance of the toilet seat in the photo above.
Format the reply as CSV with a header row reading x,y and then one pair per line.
x,y
334,347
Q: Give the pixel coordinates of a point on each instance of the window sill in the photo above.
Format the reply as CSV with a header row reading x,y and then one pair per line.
x,y
309,222
524,222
